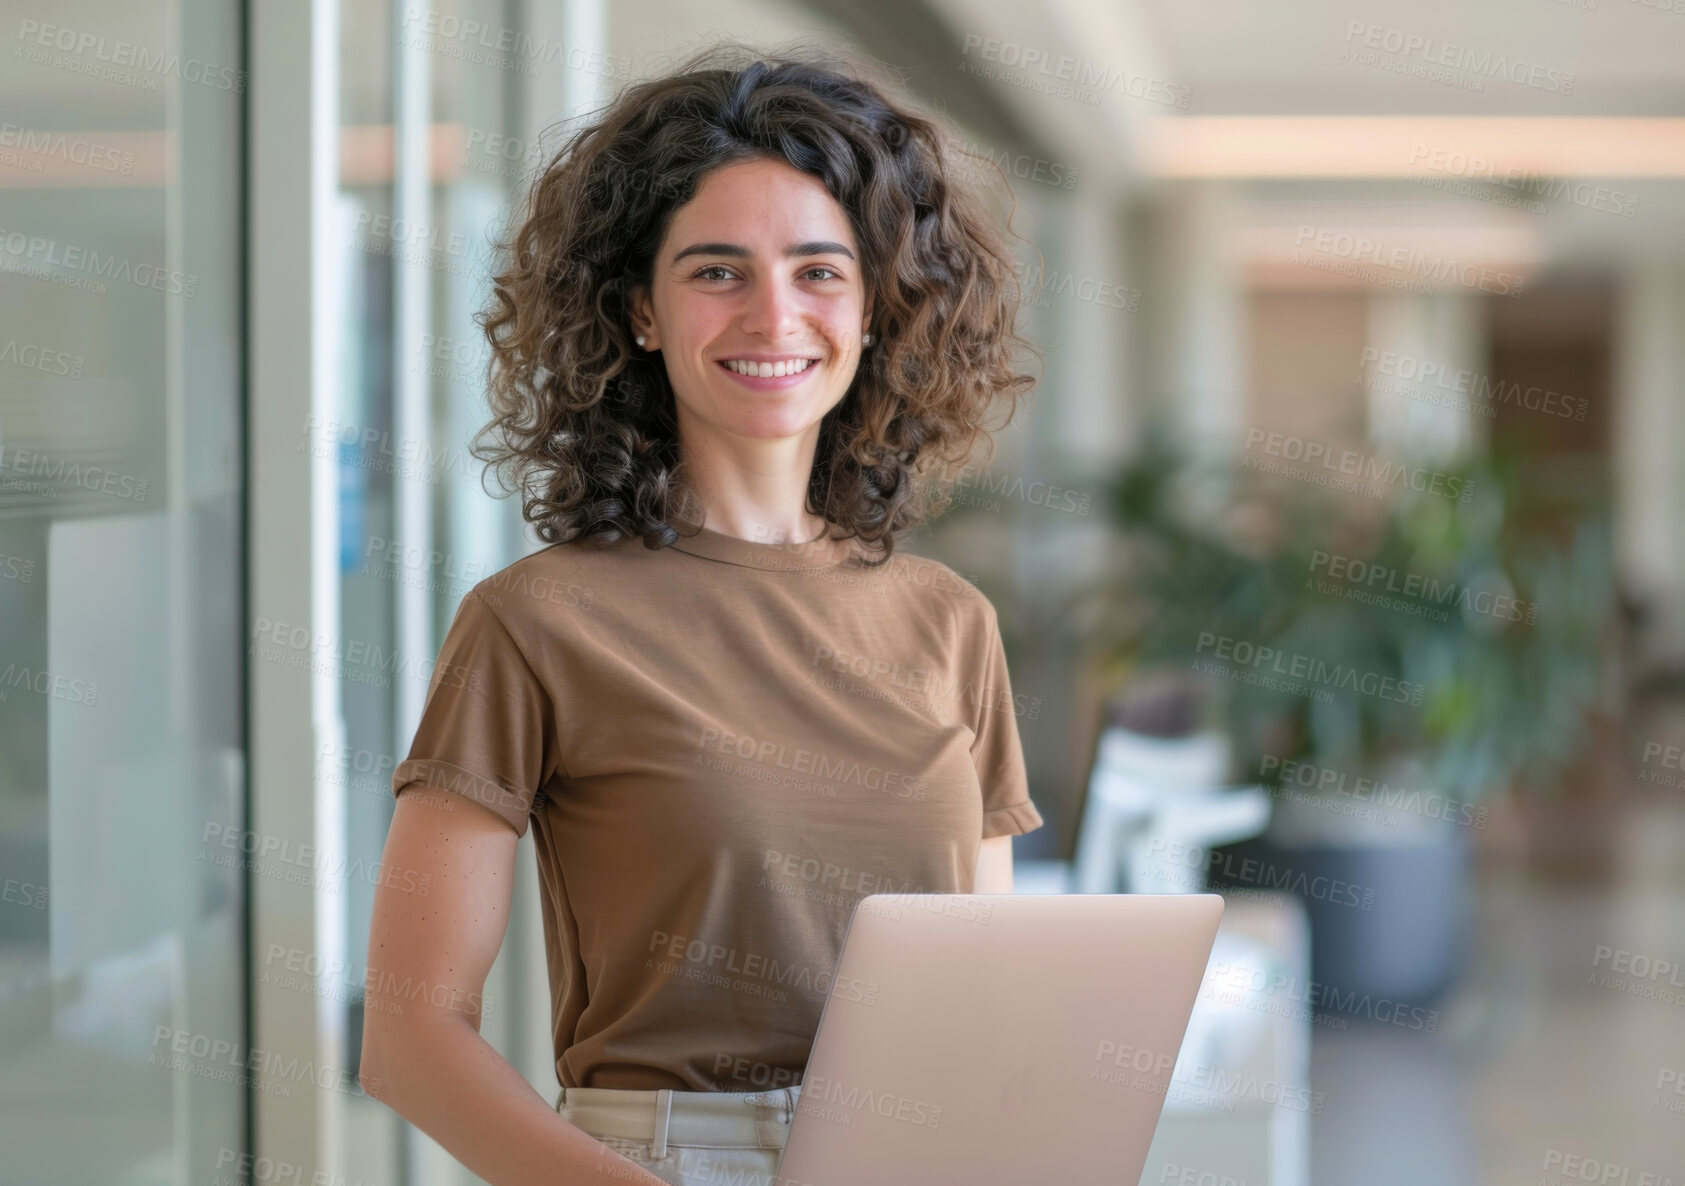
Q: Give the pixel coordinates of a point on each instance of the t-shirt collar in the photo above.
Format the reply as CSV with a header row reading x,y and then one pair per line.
x,y
768,557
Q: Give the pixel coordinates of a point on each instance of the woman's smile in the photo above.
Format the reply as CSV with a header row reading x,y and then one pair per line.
x,y
763,375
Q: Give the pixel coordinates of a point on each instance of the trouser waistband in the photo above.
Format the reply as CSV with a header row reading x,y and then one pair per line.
x,y
705,1119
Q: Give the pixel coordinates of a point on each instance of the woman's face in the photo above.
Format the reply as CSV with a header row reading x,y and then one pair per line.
x,y
759,266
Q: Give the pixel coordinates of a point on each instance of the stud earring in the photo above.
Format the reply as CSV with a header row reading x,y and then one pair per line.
x,y
865,339
640,339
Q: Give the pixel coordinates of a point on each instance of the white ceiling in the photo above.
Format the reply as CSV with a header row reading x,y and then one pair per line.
x,y
1284,57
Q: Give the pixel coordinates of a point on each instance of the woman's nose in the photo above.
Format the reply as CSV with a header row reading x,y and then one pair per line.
x,y
772,310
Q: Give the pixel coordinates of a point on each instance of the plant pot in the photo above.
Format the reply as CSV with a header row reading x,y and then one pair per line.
x,y
1388,906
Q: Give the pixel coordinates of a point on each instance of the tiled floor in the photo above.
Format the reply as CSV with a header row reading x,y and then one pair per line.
x,y
1537,1061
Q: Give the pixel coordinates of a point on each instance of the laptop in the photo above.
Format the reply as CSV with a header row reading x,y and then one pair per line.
x,y
984,1039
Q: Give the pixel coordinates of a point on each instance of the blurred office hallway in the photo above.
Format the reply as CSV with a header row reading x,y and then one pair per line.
x,y
1544,1049
1264,251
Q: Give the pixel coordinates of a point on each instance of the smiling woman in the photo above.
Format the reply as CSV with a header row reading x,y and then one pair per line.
x,y
745,318
756,210
761,334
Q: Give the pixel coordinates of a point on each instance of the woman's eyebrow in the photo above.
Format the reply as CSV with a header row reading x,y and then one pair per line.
x,y
737,251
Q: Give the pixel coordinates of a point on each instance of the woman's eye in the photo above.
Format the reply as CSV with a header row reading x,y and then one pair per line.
x,y
721,272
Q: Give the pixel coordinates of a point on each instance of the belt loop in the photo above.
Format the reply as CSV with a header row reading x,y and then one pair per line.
x,y
663,1109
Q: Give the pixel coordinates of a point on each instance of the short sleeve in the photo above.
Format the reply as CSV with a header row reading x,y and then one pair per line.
x,y
996,750
487,729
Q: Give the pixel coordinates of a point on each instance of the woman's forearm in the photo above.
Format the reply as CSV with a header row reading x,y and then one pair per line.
x,y
443,1077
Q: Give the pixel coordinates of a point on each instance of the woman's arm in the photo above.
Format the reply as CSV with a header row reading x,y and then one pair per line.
x,y
429,954
994,866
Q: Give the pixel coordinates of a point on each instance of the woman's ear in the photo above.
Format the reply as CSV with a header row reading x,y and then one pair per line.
x,y
642,324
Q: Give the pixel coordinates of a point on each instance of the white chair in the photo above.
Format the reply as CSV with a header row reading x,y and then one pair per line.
x,y
1155,807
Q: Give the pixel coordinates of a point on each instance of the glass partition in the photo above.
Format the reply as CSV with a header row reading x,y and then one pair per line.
x,y
123,1052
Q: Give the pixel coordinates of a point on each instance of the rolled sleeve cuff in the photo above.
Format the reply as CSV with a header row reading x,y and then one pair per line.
x,y
512,805
1012,820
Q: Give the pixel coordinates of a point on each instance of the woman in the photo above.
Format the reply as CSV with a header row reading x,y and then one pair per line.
x,y
746,315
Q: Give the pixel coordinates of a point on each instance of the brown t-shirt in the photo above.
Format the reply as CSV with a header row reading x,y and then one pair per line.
x,y
721,746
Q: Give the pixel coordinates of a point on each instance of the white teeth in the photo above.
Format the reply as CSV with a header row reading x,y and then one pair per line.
x,y
768,370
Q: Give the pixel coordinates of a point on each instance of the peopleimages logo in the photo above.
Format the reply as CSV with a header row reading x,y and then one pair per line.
x,y
847,770
850,1098
1230,982
1672,758
1415,374
1453,164
1226,867
1070,72
1349,463
73,149
1405,261
1186,1175
1038,286
1021,165
1363,575
38,358
1574,1167
1328,781
1431,51
720,959
113,52
503,46
1013,487
892,906
1241,653
38,254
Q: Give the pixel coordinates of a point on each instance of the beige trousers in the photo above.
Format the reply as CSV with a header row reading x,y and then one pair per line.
x,y
689,1138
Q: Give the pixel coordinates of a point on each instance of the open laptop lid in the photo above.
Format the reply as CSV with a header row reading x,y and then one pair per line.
x,y
999,1038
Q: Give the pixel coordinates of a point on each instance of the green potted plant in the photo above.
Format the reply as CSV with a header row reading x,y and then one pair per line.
x,y
1386,665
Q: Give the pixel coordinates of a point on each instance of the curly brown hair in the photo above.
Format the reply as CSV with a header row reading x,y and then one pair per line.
x,y
587,422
